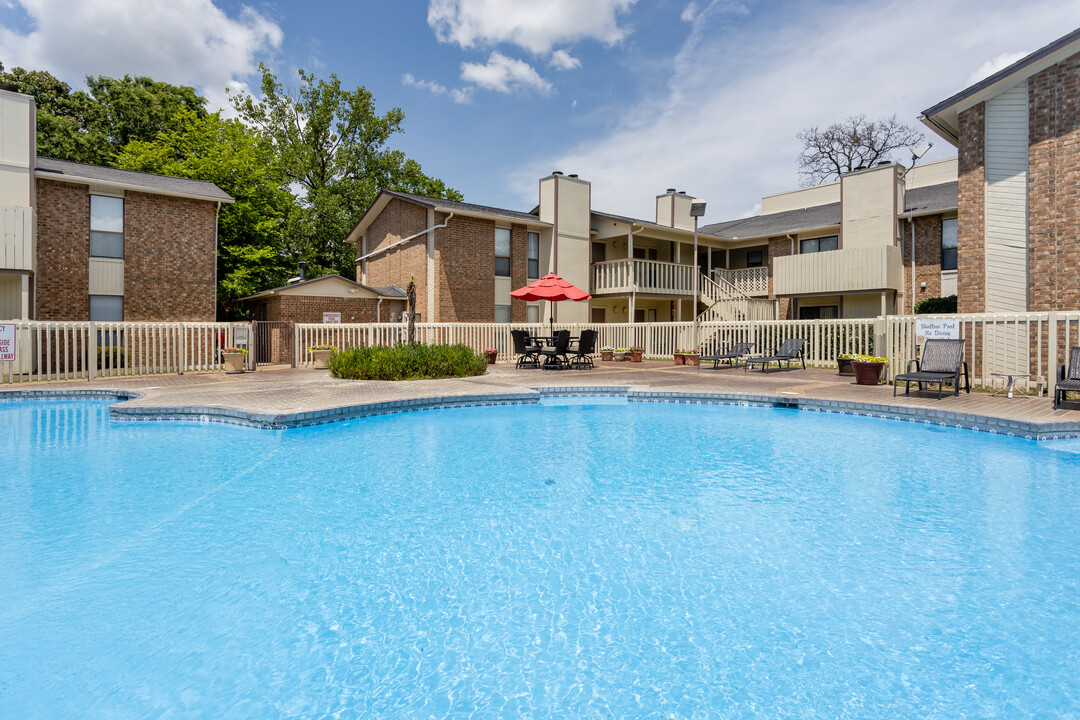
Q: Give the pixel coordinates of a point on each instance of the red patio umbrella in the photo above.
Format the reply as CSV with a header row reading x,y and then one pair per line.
x,y
553,288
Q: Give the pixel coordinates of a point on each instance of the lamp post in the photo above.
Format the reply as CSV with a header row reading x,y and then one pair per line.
x,y
697,209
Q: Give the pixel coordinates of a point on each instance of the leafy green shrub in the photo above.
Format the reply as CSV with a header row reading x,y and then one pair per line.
x,y
936,306
406,362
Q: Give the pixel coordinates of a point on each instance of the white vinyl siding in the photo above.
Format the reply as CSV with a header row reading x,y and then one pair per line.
x,y
1006,201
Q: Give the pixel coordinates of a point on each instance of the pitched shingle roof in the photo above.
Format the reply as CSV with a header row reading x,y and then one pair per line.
x,y
147,182
463,207
919,201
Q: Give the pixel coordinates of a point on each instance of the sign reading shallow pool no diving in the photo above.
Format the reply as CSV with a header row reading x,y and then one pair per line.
x,y
7,342
936,330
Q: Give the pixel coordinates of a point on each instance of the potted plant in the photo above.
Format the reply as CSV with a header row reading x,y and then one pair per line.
x,y
867,369
636,352
320,354
235,358
843,364
687,357
607,352
622,354
492,355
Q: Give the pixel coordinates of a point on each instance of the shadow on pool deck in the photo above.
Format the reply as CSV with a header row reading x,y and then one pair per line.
x,y
280,397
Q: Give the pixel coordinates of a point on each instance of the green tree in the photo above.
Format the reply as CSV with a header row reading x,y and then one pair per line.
x,y
331,145
64,118
251,253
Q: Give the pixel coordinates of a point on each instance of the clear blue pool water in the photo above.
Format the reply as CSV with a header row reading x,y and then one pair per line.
x,y
579,561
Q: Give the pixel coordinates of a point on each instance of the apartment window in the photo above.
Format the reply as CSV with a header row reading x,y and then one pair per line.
x,y
813,245
502,313
106,308
106,226
948,244
534,255
755,258
502,253
532,313
820,312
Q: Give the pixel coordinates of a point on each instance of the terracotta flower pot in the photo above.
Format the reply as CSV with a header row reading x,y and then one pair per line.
x,y
320,357
679,359
234,363
492,357
635,356
843,366
691,358
608,355
867,373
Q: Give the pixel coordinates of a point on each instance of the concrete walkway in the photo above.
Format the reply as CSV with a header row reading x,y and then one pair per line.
x,y
283,397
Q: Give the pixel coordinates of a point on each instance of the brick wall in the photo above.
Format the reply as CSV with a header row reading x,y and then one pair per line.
x,y
399,220
779,247
169,258
519,269
1054,187
927,261
465,270
310,309
971,159
63,251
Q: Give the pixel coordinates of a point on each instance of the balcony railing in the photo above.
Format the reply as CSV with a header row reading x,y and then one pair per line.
x,y
642,276
749,281
17,251
839,271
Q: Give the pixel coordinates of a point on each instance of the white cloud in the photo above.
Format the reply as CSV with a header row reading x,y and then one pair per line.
x,y
689,12
504,74
562,60
724,126
430,85
462,96
533,25
190,42
991,66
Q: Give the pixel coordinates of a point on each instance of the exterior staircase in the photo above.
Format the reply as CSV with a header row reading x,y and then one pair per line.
x,y
726,303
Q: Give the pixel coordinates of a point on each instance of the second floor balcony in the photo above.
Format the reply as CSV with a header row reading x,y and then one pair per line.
x,y
17,250
847,270
652,277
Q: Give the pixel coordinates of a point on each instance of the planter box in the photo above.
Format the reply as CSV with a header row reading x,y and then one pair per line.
x,y
622,357
635,356
867,373
844,366
320,357
234,363
687,358
492,357
607,355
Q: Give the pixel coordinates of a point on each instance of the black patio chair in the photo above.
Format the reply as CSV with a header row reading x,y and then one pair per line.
x,y
1070,381
583,350
731,356
791,349
555,357
525,349
942,361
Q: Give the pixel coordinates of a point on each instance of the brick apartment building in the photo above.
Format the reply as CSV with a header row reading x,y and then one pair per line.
x,y
1017,135
84,242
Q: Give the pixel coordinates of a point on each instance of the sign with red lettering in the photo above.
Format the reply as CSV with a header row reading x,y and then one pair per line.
x,y
7,342
331,318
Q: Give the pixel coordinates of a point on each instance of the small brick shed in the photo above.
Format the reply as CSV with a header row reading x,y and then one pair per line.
x,y
306,301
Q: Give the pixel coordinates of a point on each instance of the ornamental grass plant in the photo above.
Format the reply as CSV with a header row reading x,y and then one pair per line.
x,y
406,362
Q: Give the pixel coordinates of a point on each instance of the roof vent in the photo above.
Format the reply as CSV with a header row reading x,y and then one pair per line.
x,y
884,162
670,191
682,192
573,175
556,172
860,167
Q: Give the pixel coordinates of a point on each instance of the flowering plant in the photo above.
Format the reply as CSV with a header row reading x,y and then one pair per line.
x,y
607,348
686,352
324,346
232,350
490,350
636,349
868,358
623,350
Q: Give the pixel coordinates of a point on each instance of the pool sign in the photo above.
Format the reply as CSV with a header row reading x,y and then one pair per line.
x,y
936,330
240,334
331,318
7,342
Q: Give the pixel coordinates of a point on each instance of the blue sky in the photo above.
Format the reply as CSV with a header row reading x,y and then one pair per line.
x,y
633,95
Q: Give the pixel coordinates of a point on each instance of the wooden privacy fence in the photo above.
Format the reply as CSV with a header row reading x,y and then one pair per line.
x,y
90,350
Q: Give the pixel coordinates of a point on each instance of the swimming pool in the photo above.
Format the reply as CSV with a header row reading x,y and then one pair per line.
x,y
583,560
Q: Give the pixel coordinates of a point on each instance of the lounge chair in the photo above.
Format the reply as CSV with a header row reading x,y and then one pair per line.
x,y
583,350
731,356
791,349
555,357
942,361
525,349
1069,382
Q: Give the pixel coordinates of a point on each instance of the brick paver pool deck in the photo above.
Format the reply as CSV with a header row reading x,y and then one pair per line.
x,y
283,397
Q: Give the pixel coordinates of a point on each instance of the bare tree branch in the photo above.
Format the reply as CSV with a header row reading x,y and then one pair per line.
x,y
845,146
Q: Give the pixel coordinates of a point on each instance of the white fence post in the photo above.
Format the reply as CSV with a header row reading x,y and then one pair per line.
x,y
1052,351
